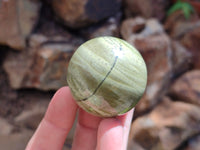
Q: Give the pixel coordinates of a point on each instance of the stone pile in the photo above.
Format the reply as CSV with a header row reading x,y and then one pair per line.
x,y
38,38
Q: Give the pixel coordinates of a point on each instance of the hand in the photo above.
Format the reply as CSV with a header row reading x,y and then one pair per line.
x,y
91,132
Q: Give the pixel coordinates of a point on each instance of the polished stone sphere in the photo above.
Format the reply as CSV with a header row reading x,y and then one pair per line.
x,y
107,76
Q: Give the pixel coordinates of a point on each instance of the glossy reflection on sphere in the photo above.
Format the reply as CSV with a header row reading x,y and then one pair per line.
x,y
107,76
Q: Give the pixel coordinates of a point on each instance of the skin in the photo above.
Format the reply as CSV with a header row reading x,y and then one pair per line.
x,y
91,132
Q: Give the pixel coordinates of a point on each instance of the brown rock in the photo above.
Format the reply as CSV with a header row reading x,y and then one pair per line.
x,y
187,88
181,59
138,28
48,70
166,127
70,136
108,28
6,128
16,21
177,25
16,66
193,143
147,9
132,25
156,51
16,141
155,47
191,42
67,147
30,118
187,31
81,13
43,65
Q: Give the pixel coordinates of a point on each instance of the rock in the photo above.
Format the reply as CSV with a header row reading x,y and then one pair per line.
x,y
181,59
10,104
193,143
70,136
166,127
16,66
17,22
155,47
191,42
48,70
147,9
6,128
177,25
132,25
79,13
66,147
186,88
137,28
16,141
156,51
31,117
187,31
43,65
108,28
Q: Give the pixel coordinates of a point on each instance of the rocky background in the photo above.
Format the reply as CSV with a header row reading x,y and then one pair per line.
x,y
38,37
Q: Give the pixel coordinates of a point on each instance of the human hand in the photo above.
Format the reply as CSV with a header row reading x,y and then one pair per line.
x,y
91,132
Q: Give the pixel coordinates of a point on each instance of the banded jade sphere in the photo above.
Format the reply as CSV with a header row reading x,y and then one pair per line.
x,y
107,76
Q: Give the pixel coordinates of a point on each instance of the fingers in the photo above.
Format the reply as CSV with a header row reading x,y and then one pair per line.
x,y
56,124
110,135
62,109
86,131
113,132
126,122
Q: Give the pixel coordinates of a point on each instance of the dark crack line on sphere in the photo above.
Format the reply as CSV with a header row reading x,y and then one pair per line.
x,y
115,61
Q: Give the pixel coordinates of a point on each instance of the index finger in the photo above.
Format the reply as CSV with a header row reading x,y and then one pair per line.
x,y
58,120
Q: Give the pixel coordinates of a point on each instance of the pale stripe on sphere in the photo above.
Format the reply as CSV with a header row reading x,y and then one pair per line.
x,y
107,76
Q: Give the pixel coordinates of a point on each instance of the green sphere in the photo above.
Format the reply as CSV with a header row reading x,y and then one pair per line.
x,y
107,76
